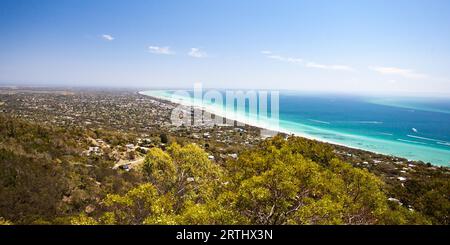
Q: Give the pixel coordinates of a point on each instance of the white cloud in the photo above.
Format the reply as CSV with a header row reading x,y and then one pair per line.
x,y
285,59
276,57
329,67
160,50
406,73
107,37
308,64
197,53
270,55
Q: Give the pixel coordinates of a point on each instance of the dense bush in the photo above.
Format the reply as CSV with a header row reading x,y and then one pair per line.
x,y
45,179
273,184
43,174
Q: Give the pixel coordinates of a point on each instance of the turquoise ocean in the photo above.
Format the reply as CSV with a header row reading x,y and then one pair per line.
x,y
413,128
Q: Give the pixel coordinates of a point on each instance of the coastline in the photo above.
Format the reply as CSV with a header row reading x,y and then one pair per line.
x,y
251,123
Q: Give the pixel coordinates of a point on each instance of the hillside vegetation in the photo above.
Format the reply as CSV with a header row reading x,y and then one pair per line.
x,y
45,179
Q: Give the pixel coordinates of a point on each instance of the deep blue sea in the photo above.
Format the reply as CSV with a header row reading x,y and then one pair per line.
x,y
413,128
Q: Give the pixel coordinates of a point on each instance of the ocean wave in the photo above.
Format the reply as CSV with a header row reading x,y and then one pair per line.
x,y
368,122
386,133
412,141
361,122
443,143
318,121
425,138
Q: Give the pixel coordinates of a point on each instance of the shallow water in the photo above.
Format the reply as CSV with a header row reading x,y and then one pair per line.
x,y
413,128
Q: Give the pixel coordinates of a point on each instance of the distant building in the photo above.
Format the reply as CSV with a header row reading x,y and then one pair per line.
x,y
93,149
233,155
125,167
401,178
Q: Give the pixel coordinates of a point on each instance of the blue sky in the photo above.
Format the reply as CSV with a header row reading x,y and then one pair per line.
x,y
355,46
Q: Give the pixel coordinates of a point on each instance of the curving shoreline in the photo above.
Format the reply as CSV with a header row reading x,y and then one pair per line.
x,y
354,140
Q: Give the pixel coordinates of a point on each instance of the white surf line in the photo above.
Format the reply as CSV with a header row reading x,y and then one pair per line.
x,y
386,133
318,121
412,141
424,138
361,122
369,122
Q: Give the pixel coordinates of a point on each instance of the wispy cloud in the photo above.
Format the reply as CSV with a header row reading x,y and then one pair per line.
x,y
329,67
107,37
309,64
160,50
406,73
285,59
197,53
270,55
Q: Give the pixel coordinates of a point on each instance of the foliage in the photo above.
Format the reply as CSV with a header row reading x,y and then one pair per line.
x,y
44,176
164,138
274,184
278,185
45,179
430,198
5,222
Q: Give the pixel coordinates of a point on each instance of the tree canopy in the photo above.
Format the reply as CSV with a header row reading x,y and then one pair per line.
x,y
276,183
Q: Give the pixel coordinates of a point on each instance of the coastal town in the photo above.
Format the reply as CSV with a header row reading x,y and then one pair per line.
x,y
145,118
